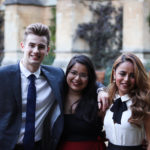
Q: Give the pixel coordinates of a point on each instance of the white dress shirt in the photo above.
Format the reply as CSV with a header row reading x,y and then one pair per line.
x,y
124,134
44,101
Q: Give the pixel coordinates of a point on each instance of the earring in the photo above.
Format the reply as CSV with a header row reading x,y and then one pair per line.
x,y
114,80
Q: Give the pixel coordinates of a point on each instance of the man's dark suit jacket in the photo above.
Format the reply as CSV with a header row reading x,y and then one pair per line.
x,y
11,107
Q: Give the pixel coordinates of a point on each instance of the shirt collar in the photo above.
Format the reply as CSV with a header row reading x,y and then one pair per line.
x,y
123,98
27,73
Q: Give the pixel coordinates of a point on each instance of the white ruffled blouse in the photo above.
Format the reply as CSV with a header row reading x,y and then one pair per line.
x,y
124,134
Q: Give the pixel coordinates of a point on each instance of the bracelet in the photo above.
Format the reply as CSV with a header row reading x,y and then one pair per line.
x,y
100,89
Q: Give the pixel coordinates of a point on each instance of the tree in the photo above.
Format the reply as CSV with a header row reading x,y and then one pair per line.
x,y
104,36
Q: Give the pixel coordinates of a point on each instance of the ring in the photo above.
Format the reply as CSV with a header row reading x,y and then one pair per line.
x,y
98,102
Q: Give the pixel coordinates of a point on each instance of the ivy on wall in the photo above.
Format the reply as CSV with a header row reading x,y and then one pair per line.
x,y
1,36
48,60
104,36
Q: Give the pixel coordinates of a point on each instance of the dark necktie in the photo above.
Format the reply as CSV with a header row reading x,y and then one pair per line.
x,y
29,134
118,108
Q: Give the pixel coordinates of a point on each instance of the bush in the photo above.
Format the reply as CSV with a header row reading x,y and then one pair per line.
x,y
104,36
49,59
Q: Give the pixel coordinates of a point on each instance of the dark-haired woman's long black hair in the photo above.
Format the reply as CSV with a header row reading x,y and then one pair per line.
x,y
87,106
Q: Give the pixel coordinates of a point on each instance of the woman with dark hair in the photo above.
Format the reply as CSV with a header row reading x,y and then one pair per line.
x,y
127,121
83,122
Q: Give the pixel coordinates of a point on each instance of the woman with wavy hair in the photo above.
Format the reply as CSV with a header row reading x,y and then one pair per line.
x,y
127,121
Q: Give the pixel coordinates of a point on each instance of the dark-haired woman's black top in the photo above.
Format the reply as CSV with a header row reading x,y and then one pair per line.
x,y
81,135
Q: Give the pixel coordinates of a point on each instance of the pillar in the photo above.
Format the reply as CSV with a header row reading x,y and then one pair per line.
x,y
136,30
70,13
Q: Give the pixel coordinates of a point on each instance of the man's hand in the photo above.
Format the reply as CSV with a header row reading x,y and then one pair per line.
x,y
103,102
145,144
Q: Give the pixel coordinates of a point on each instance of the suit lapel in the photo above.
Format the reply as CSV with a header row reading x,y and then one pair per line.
x,y
56,110
15,78
54,85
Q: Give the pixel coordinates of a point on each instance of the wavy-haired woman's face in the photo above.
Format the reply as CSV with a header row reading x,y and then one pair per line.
x,y
124,77
77,78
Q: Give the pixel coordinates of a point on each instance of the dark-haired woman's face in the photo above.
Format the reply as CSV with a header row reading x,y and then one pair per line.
x,y
124,77
77,78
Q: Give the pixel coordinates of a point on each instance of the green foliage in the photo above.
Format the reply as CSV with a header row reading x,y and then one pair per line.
x,y
147,66
107,75
49,59
53,28
104,35
148,19
1,36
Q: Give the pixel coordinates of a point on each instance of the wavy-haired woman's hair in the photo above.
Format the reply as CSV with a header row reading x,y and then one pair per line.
x,y
140,94
89,95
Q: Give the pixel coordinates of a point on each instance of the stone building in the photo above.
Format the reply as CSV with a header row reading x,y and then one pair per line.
x,y
20,13
136,29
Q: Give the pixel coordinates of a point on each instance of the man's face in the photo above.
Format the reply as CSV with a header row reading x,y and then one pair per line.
x,y
35,48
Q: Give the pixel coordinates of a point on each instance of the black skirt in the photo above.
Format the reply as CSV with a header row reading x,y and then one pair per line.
x,y
118,147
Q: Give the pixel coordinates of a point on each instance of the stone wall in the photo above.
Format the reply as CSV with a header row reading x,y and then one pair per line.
x,y
70,13
1,2
136,31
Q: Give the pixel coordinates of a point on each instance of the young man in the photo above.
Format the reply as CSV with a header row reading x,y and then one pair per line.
x,y
16,116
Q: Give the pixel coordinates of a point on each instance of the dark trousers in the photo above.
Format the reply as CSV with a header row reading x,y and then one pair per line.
x,y
37,146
